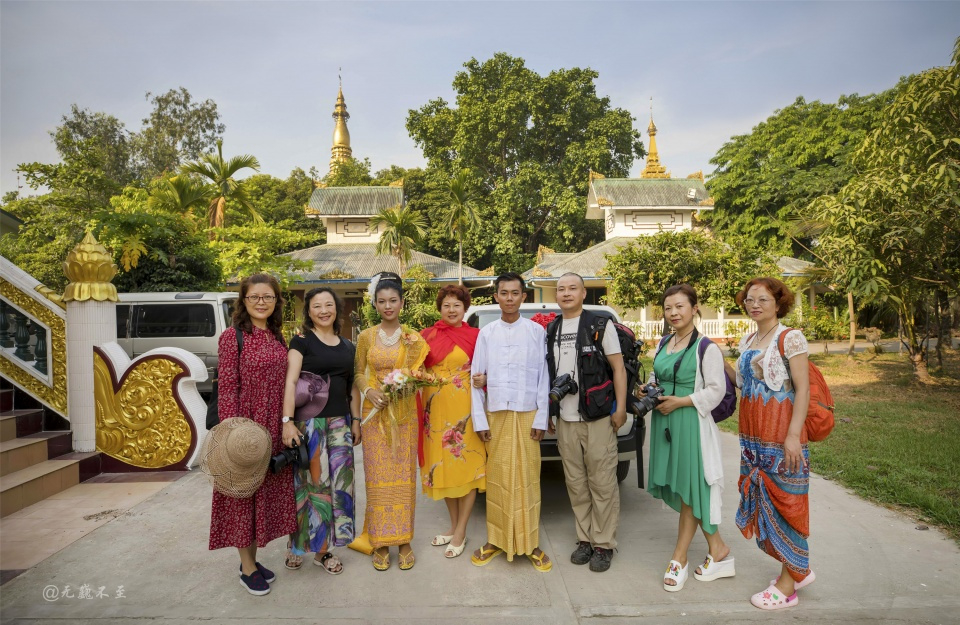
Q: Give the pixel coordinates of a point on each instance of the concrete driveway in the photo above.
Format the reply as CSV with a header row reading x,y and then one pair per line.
x,y
872,566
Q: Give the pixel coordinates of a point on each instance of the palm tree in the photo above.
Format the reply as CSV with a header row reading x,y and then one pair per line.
x,y
461,216
179,194
219,173
404,228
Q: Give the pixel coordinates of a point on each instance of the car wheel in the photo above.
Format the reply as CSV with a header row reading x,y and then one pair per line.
x,y
623,467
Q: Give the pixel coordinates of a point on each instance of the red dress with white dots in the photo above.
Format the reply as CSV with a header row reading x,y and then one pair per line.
x,y
271,511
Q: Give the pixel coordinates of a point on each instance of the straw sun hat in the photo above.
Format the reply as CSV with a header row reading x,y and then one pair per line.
x,y
235,455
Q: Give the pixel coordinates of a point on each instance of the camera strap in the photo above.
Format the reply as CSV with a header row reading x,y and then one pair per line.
x,y
676,366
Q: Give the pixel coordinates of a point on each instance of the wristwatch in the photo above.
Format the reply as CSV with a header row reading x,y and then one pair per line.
x,y
285,420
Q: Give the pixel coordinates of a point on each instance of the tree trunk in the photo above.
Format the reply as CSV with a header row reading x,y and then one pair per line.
x,y
460,265
853,323
915,351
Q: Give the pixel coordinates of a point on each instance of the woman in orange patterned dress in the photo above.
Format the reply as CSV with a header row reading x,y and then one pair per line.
x,y
389,437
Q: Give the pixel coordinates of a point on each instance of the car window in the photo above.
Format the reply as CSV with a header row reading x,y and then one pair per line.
x,y
123,315
228,305
175,320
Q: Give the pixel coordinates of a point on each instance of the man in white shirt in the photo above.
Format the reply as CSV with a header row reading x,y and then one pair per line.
x,y
511,353
588,424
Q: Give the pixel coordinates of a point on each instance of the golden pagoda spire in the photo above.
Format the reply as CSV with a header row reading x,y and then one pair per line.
x,y
653,169
341,151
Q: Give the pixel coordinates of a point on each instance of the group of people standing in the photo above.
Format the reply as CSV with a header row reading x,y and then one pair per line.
x,y
477,427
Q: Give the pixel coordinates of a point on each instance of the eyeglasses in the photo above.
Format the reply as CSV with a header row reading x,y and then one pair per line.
x,y
266,299
763,301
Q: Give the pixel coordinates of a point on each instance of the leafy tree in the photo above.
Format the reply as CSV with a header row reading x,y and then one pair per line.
x,y
178,130
248,249
403,230
350,173
156,249
277,200
763,179
461,215
52,225
220,173
179,194
98,140
530,141
642,270
892,233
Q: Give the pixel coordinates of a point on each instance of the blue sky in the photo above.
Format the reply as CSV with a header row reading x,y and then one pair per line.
x,y
714,69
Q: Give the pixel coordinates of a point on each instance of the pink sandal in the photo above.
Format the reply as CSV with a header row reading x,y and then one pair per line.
x,y
773,599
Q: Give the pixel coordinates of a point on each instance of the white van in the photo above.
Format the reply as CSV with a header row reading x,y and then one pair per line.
x,y
192,321
627,436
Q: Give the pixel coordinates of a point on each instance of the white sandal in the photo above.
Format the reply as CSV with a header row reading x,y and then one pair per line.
x,y
712,569
452,551
677,574
440,540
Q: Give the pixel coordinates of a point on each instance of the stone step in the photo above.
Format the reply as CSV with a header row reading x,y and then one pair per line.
x,y
39,481
22,452
22,422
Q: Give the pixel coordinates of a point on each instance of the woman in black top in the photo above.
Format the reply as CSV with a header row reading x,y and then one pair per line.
x,y
324,488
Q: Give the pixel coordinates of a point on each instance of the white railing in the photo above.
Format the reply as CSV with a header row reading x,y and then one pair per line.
x,y
714,328
32,338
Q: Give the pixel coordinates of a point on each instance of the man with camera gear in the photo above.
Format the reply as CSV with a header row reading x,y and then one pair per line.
x,y
586,366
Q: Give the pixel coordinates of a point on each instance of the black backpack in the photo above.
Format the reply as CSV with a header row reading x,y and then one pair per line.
x,y
630,348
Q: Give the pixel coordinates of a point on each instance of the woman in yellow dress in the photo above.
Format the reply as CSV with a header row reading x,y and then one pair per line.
x,y
453,460
389,436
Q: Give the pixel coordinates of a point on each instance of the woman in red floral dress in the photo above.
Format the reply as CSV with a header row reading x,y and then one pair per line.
x,y
252,386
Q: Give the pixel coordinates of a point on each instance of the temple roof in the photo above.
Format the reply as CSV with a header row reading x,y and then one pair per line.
x,y
645,193
589,263
358,262
353,201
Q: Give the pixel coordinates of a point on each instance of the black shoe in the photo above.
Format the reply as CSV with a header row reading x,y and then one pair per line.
x,y
268,575
254,583
600,561
582,554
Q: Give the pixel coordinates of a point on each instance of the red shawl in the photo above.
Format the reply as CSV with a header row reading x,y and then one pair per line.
x,y
442,338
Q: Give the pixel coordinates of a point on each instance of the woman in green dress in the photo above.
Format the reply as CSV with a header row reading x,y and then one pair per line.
x,y
685,466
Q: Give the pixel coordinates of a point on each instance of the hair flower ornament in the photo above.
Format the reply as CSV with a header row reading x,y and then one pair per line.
x,y
372,287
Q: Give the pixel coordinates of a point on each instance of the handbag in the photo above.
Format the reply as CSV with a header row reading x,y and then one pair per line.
x,y
311,395
213,408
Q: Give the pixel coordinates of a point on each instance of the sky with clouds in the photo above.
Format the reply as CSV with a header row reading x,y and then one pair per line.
x,y
714,69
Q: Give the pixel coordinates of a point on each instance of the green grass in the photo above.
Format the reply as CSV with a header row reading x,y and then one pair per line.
x,y
895,442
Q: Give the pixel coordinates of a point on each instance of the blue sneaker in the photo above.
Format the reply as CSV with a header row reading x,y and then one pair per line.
x,y
254,583
268,575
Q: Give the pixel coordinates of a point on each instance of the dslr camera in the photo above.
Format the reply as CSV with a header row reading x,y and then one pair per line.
x,y
564,385
291,455
643,405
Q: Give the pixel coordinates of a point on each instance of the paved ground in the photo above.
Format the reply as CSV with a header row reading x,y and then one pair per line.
x,y
873,566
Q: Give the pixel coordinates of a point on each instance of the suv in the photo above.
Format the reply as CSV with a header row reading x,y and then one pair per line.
x,y
192,321
627,436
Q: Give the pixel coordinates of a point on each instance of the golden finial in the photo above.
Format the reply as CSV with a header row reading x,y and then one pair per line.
x,y
90,269
653,168
341,150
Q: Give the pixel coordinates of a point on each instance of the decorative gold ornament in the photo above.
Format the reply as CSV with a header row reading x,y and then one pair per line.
x,y
489,271
602,201
54,393
592,175
139,420
51,295
396,183
336,274
90,269
541,273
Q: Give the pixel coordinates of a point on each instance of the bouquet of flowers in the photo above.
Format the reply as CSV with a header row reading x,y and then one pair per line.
x,y
543,319
401,384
